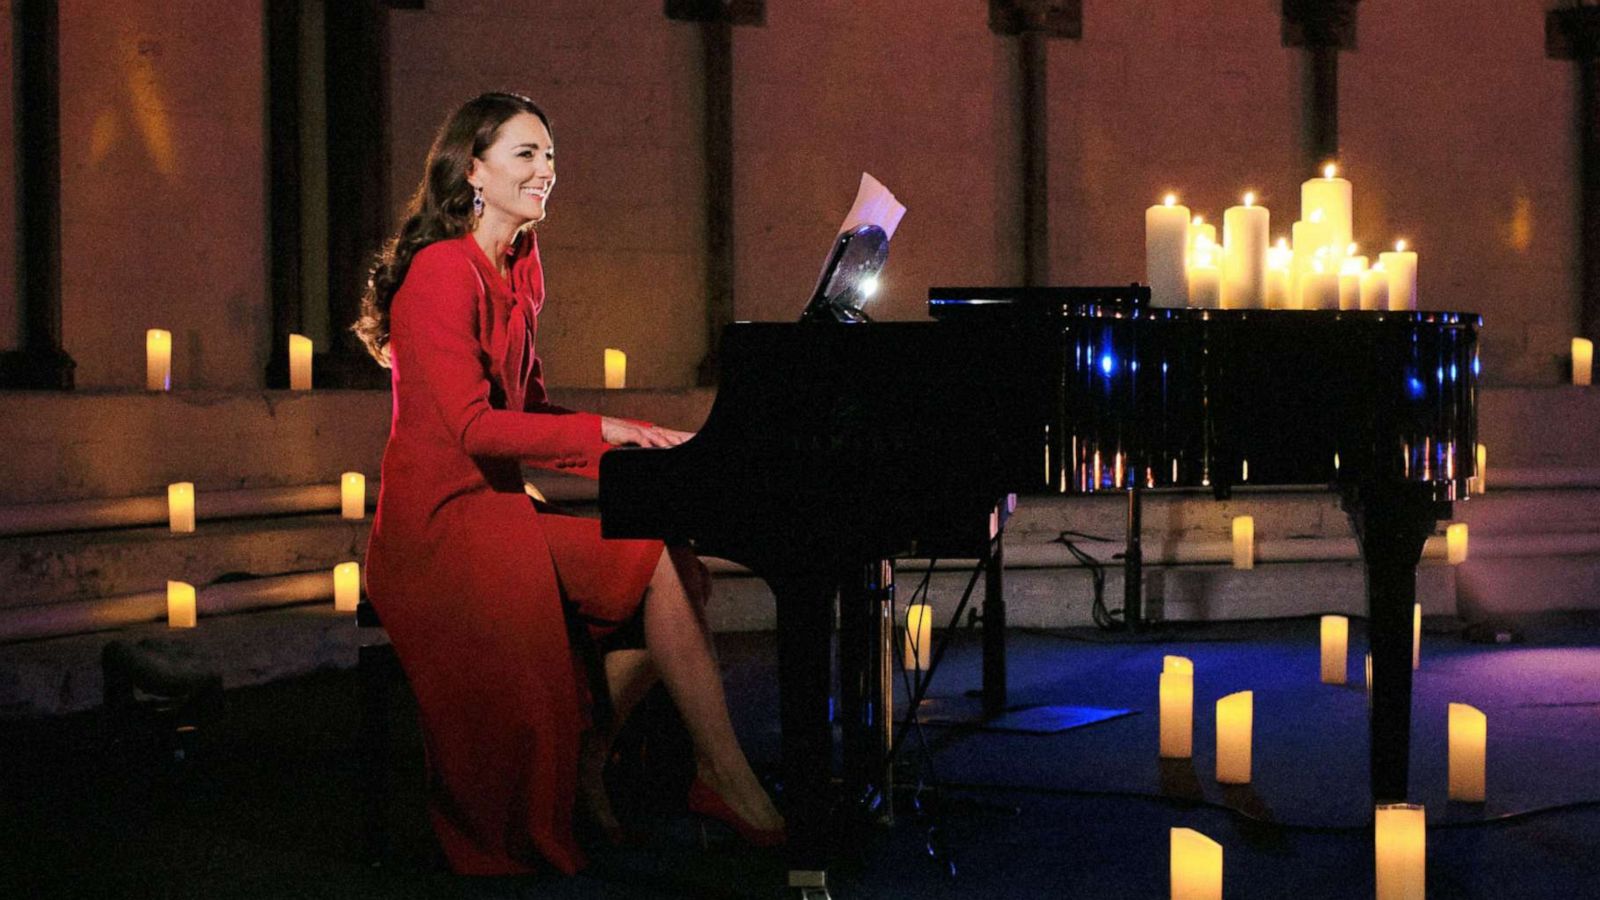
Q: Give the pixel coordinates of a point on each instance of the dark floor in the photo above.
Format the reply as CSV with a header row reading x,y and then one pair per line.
x,y
267,803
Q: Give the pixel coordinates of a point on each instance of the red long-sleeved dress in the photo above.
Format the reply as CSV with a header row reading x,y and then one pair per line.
x,y
469,579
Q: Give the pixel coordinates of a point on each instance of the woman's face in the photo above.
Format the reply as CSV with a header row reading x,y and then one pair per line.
x,y
516,173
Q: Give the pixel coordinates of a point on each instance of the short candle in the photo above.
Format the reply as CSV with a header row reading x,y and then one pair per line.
x,y
1400,836
1235,721
616,369
1375,288
1205,278
346,586
1176,703
353,495
1481,482
1401,264
1244,542
299,362
180,507
1582,361
158,360
1335,648
1416,636
919,637
1455,539
180,605
1196,866
1469,729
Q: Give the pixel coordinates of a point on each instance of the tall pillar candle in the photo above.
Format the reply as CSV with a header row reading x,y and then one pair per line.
x,y
1235,722
1335,648
919,637
1244,255
1176,703
353,495
1582,361
1195,866
1244,542
180,507
616,363
1400,838
1469,729
1401,264
299,362
346,586
180,605
1166,242
1330,194
158,360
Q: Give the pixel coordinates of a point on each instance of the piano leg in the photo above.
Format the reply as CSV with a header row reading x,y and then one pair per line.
x,y
805,632
1391,522
994,631
866,689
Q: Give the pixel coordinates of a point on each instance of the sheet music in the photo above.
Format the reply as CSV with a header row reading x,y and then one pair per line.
x,y
874,205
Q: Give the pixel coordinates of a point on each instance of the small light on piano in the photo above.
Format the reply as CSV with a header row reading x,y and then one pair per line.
x,y
1134,366
1477,366
1107,363
1416,387
1174,471
1336,462
1439,374
1452,371
1163,368
1244,471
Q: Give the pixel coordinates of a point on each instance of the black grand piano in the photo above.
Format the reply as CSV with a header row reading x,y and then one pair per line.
x,y
833,448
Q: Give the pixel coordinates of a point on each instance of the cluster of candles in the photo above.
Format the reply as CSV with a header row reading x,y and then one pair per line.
x,y
1401,829
181,598
1317,267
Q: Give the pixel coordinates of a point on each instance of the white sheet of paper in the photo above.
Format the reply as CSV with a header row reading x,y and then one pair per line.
x,y
874,205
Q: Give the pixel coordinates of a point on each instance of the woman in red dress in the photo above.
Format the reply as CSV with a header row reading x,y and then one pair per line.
x,y
474,583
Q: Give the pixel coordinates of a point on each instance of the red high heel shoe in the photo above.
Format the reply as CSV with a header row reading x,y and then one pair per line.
x,y
703,801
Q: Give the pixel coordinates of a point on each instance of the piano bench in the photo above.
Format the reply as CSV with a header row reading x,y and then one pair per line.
x,y
158,685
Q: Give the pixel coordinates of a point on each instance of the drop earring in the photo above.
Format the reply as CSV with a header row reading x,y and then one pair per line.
x,y
477,201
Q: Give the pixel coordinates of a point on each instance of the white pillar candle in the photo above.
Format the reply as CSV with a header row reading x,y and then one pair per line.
x,y
1306,237
1320,289
1375,288
616,363
1205,276
1582,361
1455,541
1401,264
919,637
1177,708
1335,648
346,586
180,507
1350,272
1235,721
299,362
353,495
1244,542
158,360
1400,836
1330,194
1244,255
1279,259
180,605
1166,242
1416,636
1469,729
1481,480
1195,865
1199,230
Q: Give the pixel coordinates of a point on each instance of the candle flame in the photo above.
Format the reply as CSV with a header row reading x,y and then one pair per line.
x,y
1400,246
1330,170
1283,243
1170,199
1250,198
1199,220
1350,250
1316,215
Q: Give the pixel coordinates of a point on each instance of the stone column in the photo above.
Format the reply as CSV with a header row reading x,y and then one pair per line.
x,y
1573,33
1323,27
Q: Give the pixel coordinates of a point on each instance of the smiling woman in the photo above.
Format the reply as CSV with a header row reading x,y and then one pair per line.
x,y
475,583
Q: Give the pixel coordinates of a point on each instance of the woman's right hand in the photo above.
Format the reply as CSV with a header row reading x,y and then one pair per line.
x,y
639,434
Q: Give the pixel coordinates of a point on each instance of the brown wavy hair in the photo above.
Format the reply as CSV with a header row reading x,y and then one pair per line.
x,y
440,209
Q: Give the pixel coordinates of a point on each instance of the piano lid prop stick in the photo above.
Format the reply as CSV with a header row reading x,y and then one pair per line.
x,y
1582,361
1335,648
1196,866
874,205
1400,837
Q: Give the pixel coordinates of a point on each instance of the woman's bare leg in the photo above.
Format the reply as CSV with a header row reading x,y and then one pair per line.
x,y
629,676
680,648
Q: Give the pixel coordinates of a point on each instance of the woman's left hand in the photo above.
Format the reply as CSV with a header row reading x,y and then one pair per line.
x,y
639,434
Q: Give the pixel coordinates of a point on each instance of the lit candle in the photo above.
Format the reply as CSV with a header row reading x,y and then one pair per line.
x,y
158,360
1375,288
1196,866
1331,196
1350,272
1244,255
1205,278
1367,668
1307,236
1244,542
1481,480
346,586
353,495
1201,229
1235,718
180,605
1416,636
1279,258
299,362
1455,542
1582,361
1166,239
1177,707
1469,729
1335,648
180,507
1400,836
1401,264
616,369
1320,288
919,636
